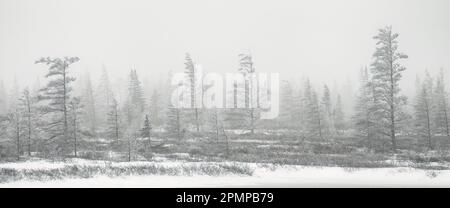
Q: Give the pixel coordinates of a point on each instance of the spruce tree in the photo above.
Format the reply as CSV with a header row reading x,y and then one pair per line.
x,y
193,82
3,99
56,94
146,135
327,111
114,122
286,117
423,110
387,73
339,116
441,114
363,118
251,93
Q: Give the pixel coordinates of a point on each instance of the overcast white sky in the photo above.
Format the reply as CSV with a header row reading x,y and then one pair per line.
x,y
328,40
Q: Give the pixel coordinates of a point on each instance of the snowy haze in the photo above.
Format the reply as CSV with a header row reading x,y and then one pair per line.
x,y
329,41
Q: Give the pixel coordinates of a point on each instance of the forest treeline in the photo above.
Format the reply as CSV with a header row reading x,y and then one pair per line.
x,y
62,119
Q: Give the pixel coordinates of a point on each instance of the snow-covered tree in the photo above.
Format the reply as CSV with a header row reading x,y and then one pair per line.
x,y
29,112
193,82
146,133
327,111
235,116
287,105
423,109
15,118
103,98
251,91
174,116
312,111
216,122
316,115
298,113
156,109
441,114
4,122
89,114
56,95
113,129
14,96
3,99
131,127
135,98
386,75
173,125
363,118
339,116
74,109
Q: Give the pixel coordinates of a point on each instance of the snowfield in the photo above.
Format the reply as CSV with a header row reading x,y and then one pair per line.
x,y
263,175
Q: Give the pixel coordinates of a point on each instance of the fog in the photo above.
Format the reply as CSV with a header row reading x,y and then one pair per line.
x,y
326,40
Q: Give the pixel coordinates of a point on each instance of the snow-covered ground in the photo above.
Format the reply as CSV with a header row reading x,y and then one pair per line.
x,y
263,176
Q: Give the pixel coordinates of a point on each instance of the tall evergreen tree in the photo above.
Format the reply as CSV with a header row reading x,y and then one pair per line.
x,y
387,73
327,111
287,116
313,120
56,94
74,108
89,107
16,124
441,114
103,98
339,116
146,133
216,122
136,96
131,128
316,113
251,91
156,108
114,122
193,78
3,99
173,125
364,114
424,109
298,113
14,96
3,130
235,117
15,117
28,109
